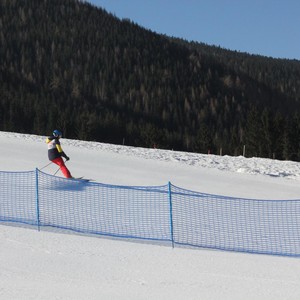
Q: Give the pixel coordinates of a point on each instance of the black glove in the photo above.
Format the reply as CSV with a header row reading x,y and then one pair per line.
x,y
63,154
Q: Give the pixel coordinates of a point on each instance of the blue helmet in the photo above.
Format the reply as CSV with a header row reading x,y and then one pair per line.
x,y
57,133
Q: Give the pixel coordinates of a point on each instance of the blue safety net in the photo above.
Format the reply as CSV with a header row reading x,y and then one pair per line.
x,y
160,213
123,211
18,197
236,224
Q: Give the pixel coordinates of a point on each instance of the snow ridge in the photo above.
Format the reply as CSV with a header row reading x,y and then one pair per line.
x,y
236,164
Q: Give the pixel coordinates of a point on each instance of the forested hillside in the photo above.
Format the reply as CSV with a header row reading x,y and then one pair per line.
x,y
69,65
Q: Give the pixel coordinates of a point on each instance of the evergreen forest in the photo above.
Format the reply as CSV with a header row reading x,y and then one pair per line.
x,y
69,65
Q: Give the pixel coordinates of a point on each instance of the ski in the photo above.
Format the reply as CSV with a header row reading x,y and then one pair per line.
x,y
83,179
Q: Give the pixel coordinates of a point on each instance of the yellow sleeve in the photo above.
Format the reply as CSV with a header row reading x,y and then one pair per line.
x,y
58,147
47,140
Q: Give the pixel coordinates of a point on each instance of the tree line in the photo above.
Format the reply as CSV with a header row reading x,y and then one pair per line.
x,y
70,65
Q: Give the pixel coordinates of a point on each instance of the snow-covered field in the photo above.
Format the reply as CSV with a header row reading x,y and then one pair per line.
x,y
47,265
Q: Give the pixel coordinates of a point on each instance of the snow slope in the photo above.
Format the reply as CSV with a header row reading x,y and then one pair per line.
x,y
53,265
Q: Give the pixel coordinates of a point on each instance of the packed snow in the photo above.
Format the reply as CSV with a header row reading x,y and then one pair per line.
x,y
57,265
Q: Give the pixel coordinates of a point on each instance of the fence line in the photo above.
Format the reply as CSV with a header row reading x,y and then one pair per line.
x,y
159,213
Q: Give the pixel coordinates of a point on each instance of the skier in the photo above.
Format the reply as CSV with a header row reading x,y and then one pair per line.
x,y
55,152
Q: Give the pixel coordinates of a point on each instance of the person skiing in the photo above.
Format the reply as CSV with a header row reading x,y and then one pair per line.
x,y
55,152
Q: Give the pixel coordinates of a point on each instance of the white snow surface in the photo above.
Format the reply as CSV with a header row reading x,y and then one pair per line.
x,y
55,265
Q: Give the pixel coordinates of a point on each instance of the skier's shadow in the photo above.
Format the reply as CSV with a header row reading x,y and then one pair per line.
x,y
67,185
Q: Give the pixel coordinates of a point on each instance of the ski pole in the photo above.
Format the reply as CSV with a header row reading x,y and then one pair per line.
x,y
56,171
46,166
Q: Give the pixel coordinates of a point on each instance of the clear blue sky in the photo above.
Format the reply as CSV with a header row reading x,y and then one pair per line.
x,y
264,27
